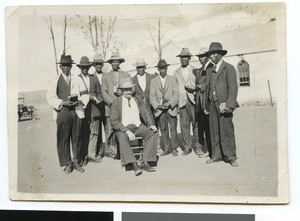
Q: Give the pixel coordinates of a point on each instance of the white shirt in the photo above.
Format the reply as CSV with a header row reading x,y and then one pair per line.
x,y
218,65
185,72
99,77
130,115
142,81
86,80
163,80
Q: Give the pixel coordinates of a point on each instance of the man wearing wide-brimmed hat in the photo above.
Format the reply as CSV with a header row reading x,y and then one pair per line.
x,y
142,81
110,82
201,100
92,113
68,97
164,97
186,81
125,118
102,122
222,100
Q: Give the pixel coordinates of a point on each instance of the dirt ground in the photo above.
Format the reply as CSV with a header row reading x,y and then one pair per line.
x,y
256,175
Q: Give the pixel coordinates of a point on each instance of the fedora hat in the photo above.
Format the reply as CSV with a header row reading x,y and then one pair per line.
x,y
66,59
185,52
125,83
202,53
162,63
84,62
98,59
115,56
216,47
140,62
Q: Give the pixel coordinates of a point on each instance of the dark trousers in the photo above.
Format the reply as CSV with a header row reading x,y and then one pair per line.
x,y
149,147
68,129
222,134
85,137
186,117
163,122
203,131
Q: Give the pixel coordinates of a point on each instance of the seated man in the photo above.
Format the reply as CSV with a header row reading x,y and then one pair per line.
x,y
125,117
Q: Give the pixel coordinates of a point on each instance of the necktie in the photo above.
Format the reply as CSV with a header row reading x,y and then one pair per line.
x,y
68,80
214,69
128,102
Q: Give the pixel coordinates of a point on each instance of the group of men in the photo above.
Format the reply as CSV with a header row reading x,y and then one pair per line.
x,y
128,108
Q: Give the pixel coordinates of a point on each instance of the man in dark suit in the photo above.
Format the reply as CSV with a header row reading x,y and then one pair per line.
x,y
129,127
201,100
164,97
222,96
142,82
90,123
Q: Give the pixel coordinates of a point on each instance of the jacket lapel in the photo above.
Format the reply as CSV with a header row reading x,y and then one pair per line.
x,y
167,83
222,66
147,82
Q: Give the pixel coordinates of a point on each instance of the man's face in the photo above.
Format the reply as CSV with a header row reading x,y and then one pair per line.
x,y
185,61
66,68
98,67
141,70
203,60
163,71
85,70
127,92
215,57
115,65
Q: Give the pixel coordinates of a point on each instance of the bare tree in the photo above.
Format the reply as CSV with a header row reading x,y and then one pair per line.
x,y
162,40
98,32
50,27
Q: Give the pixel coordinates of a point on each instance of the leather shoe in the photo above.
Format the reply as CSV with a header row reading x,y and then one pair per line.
x,y
78,168
233,163
165,153
137,169
212,161
68,169
174,152
187,151
203,155
95,159
145,166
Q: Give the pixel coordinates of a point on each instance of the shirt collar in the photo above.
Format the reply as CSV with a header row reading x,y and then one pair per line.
x,y
206,64
218,65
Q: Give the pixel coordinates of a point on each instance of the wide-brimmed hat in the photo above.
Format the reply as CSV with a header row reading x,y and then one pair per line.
x,y
203,52
115,56
66,59
84,62
216,47
98,59
125,83
185,52
140,62
162,63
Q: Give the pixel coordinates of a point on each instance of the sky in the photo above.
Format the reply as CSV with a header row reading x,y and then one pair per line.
x,y
182,24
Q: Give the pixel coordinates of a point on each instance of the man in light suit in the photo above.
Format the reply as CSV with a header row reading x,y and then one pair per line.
x,y
92,114
164,97
110,91
129,127
202,117
68,97
222,100
186,81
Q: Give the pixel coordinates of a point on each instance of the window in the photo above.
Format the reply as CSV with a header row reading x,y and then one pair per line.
x,y
243,72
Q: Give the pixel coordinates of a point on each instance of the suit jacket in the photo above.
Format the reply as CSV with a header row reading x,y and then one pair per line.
x,y
183,94
77,87
201,96
109,83
146,93
93,110
170,94
116,114
226,86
